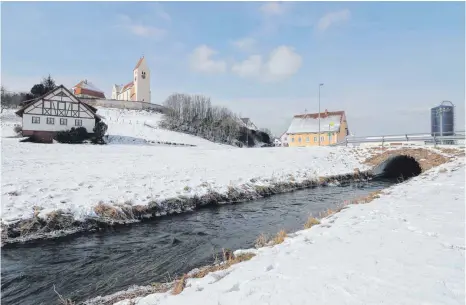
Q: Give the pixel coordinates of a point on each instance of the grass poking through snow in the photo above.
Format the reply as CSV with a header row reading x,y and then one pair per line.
x,y
229,259
179,285
311,221
279,238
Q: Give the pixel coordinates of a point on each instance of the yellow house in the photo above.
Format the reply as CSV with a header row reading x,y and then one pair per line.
x,y
304,129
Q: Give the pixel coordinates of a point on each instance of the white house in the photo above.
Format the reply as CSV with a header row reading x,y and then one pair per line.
x,y
139,88
284,139
55,111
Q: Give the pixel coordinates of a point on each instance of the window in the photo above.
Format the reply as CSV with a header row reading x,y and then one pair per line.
x,y
63,121
78,122
35,120
321,139
51,121
292,139
299,139
315,139
307,139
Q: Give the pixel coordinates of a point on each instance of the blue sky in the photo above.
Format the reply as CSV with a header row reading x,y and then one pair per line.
x,y
384,63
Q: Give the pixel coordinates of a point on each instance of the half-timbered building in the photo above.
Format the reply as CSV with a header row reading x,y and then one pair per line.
x,y
55,111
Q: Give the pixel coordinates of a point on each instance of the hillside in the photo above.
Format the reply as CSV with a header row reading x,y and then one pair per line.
x,y
136,127
140,127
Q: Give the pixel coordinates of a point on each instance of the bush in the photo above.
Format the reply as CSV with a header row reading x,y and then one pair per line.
x,y
72,136
18,130
99,132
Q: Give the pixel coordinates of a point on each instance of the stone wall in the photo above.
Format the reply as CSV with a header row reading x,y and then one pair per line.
x,y
124,104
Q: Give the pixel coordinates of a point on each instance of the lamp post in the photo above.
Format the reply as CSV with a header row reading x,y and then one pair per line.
x,y
320,85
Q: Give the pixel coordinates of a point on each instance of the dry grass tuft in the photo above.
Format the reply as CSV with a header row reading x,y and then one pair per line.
x,y
368,198
231,260
311,221
261,241
327,213
179,285
108,211
279,238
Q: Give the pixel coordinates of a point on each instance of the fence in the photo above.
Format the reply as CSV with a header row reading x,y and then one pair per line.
x,y
458,138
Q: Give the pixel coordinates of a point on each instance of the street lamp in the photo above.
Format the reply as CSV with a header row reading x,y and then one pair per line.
x,y
320,85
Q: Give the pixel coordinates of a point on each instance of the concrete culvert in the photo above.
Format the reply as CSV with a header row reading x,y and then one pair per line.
x,y
399,166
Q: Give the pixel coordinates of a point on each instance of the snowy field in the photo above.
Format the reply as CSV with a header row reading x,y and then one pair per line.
x,y
75,178
406,247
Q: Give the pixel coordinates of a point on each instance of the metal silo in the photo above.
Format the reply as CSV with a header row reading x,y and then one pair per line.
x,y
443,119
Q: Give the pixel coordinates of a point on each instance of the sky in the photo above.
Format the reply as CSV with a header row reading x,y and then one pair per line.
x,y
384,63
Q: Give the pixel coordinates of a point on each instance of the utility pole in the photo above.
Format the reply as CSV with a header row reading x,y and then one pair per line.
x,y
320,85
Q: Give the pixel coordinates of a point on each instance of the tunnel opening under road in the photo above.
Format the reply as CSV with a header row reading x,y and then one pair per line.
x,y
398,167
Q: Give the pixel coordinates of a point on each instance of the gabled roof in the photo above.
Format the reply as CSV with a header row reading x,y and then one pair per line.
x,y
84,84
245,120
89,107
139,63
309,123
88,88
127,86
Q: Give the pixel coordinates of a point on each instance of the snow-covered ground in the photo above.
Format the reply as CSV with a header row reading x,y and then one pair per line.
x,y
139,126
406,247
8,120
75,178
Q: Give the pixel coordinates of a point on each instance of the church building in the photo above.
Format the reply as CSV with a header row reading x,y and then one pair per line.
x,y
139,88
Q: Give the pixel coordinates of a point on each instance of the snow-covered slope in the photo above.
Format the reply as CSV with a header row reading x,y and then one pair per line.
x,y
407,247
139,126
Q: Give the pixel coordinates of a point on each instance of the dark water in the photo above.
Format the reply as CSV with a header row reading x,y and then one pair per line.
x,y
93,264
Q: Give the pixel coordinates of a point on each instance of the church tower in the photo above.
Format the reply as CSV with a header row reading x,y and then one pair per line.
x,y
141,76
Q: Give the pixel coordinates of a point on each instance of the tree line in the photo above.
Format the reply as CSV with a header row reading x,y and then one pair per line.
x,y
14,99
195,114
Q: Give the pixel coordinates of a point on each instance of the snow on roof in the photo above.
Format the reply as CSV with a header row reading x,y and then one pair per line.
x,y
310,123
85,84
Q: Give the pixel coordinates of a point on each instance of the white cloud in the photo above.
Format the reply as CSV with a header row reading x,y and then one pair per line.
x,y
333,18
273,8
139,29
246,44
201,61
283,62
249,68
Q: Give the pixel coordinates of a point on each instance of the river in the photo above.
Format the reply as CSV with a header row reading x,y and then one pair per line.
x,y
88,265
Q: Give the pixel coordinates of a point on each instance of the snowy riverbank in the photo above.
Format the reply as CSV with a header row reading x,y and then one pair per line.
x,y
406,247
87,181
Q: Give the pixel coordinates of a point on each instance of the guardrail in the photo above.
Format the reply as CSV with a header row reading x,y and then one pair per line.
x,y
458,138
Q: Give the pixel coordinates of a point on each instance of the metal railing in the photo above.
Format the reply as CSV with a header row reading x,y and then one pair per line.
x,y
458,138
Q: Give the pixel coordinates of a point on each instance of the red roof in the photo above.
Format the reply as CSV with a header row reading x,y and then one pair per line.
x,y
127,86
322,114
82,91
139,63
